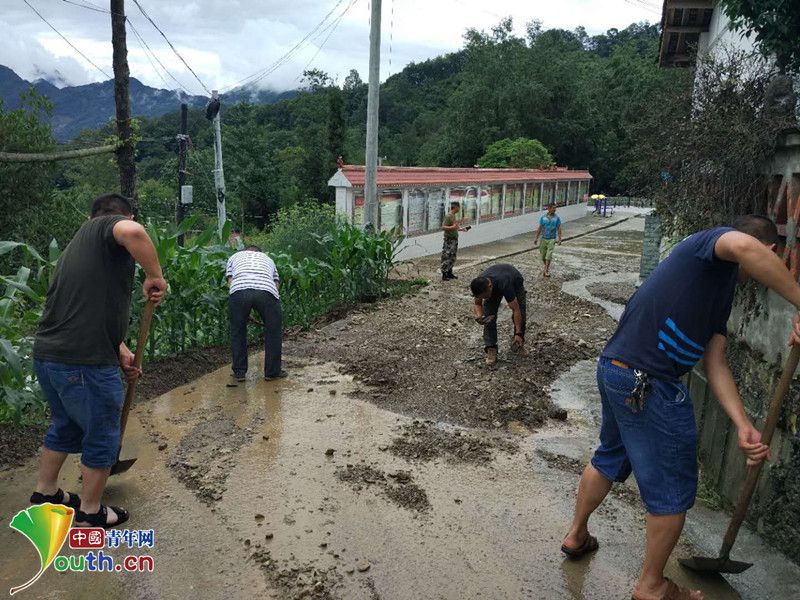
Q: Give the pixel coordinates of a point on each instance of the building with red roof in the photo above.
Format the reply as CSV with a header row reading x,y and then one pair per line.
x,y
413,200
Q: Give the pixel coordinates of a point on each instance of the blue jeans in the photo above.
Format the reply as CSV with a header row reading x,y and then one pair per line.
x,y
658,443
85,408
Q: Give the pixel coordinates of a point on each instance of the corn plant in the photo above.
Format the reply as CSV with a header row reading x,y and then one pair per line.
x,y
194,313
343,265
20,310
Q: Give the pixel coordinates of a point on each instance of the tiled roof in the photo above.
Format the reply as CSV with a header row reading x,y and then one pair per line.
x,y
426,176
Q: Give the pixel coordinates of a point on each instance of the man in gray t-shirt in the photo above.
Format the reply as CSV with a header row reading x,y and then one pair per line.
x,y
79,350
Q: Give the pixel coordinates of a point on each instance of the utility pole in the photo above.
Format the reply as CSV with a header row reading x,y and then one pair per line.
x,y
219,174
127,166
183,138
373,97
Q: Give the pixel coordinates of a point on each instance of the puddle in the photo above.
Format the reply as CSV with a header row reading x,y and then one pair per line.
x,y
264,514
578,288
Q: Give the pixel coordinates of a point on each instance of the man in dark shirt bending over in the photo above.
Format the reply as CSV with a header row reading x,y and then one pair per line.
x,y
489,288
677,317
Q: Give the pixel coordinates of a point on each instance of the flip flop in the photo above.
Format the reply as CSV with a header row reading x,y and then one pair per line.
x,y
590,545
673,592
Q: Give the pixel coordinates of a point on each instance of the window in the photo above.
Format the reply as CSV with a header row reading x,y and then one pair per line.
x,y
513,199
531,197
573,192
391,212
467,199
416,211
561,193
491,204
358,207
548,197
435,209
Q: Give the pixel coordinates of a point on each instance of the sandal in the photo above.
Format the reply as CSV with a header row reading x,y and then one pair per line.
x,y
673,592
100,518
590,545
57,498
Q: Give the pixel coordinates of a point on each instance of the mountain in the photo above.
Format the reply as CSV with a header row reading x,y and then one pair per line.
x,y
91,106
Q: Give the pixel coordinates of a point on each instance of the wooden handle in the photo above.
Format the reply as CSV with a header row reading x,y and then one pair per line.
x,y
753,473
141,342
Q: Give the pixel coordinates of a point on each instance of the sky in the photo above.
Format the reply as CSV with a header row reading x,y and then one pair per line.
x,y
227,41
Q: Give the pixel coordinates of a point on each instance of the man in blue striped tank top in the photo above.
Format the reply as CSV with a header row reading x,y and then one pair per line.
x,y
678,316
254,281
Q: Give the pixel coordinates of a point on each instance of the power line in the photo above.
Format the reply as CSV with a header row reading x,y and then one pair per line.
x,y
146,49
142,45
153,23
107,76
89,5
331,28
391,38
640,4
258,75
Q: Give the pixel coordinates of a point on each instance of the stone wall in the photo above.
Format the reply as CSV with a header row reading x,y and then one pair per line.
x,y
775,510
651,246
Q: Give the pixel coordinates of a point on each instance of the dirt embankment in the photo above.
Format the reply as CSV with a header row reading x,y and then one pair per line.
x,y
422,355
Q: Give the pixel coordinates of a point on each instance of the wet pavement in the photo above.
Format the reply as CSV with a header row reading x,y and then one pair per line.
x,y
248,493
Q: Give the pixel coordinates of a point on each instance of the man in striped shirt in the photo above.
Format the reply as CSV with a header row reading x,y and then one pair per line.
x,y
253,281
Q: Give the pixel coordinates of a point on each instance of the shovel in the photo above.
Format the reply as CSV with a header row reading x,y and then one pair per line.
x,y
144,329
723,563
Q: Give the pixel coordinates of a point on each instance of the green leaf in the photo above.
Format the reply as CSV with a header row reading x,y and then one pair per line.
x,y
8,352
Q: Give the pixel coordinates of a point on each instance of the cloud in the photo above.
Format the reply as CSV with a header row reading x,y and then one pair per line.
x,y
26,55
225,42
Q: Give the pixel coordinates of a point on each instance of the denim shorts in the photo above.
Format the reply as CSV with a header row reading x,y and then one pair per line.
x,y
658,442
85,408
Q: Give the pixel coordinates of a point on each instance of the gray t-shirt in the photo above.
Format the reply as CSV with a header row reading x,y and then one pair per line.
x,y
88,304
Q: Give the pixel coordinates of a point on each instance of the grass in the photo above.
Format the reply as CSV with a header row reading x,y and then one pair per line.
x,y
707,494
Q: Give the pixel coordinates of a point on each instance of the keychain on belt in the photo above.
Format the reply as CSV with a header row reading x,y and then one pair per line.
x,y
639,393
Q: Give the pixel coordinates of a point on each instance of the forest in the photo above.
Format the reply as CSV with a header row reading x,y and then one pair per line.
x,y
583,97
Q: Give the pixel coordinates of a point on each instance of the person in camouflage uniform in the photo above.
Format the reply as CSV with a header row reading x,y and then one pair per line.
x,y
451,227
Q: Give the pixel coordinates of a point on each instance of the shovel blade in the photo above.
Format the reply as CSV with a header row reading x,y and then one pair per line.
x,y
704,564
122,465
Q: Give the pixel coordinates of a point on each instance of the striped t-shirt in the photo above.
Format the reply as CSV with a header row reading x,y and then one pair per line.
x,y
251,270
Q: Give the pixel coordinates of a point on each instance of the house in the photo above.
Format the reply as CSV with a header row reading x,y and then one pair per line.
x,y
497,203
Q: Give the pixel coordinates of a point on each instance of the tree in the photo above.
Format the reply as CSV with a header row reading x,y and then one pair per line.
x,y
700,152
521,153
775,25
316,79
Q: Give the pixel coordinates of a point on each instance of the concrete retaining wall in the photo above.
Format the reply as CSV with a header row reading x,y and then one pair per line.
x,y
758,330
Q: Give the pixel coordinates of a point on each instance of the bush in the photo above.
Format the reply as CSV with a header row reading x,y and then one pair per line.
x,y
292,231
701,153
521,153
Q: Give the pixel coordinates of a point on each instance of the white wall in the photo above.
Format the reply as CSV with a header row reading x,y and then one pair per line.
x,y
431,243
719,36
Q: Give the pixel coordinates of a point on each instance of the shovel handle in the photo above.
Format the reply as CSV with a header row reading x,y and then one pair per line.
x,y
141,342
753,472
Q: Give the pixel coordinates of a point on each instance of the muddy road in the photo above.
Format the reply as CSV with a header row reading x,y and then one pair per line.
x,y
392,463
